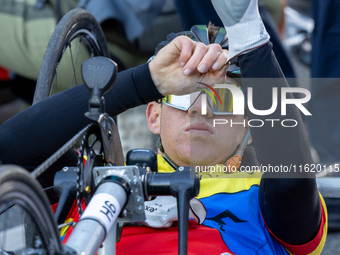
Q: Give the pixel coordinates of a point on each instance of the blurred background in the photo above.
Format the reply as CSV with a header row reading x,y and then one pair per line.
x,y
305,35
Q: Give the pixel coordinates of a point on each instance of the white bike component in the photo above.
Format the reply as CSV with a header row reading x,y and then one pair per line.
x,y
104,208
91,230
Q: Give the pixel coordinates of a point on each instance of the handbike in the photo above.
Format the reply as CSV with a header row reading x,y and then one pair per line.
x,y
112,192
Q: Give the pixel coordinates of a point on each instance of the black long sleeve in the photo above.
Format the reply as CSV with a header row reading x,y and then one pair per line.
x,y
289,202
33,135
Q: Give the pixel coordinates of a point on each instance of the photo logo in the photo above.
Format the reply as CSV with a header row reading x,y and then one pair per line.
x,y
238,99
238,103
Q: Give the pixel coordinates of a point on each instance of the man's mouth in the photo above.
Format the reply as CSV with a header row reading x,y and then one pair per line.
x,y
200,128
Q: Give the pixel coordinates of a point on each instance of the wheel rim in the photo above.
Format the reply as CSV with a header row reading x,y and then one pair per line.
x,y
81,46
24,227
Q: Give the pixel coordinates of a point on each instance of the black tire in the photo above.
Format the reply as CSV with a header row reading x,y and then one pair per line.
x,y
77,23
19,190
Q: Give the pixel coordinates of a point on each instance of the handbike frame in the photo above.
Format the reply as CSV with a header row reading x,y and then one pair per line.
x,y
121,190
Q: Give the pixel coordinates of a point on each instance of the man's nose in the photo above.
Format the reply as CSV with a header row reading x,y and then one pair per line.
x,y
197,109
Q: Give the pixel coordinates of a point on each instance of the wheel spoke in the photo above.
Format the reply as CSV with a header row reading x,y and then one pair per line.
x,y
55,85
73,67
82,30
77,57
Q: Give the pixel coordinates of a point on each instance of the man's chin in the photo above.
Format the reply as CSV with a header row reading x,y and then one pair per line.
x,y
199,159
193,154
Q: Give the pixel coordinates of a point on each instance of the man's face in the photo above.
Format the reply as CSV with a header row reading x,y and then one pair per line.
x,y
190,138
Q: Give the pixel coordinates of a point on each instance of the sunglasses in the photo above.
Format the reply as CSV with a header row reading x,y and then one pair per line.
x,y
220,100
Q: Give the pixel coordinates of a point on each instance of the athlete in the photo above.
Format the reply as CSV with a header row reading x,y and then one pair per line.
x,y
242,215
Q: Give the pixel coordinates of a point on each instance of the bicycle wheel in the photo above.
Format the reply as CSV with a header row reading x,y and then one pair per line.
x,y
77,37
27,225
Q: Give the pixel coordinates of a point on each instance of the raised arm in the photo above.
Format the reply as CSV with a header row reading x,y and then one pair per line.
x,y
289,202
36,133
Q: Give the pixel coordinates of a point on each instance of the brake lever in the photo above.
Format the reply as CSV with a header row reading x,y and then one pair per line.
x,y
65,186
184,185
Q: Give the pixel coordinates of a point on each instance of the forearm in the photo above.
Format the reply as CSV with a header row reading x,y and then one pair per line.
x,y
275,144
289,202
33,135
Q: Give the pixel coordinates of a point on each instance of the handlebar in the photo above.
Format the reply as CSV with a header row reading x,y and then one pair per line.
x,y
123,188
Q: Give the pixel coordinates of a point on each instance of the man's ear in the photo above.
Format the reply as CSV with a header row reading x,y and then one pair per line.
x,y
153,117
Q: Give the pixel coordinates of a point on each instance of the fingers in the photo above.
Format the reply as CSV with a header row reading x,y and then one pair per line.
x,y
200,57
185,57
186,47
191,54
220,62
195,60
214,59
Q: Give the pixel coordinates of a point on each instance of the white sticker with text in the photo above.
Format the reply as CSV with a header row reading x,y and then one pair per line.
x,y
104,207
